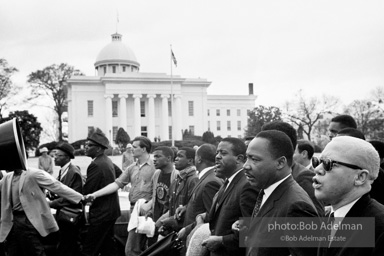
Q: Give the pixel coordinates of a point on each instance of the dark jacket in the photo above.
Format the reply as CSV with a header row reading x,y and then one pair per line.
x,y
100,173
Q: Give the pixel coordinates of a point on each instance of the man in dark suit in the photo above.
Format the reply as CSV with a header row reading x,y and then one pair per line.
x,y
202,195
226,207
69,175
343,179
104,210
300,173
268,169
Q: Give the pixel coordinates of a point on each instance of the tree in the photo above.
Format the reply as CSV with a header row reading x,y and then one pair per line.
x,y
209,137
30,128
122,138
305,112
52,82
7,90
369,117
260,116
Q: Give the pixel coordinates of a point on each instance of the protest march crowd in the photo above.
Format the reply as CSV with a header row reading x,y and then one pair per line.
x,y
208,200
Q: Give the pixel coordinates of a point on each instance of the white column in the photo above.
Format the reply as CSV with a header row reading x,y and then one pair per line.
x,y
123,111
151,116
108,117
178,120
164,117
137,115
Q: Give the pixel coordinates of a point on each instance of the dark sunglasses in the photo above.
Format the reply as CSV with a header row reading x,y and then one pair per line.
x,y
328,164
91,145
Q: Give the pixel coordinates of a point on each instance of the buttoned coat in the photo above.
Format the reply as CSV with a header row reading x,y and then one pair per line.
x,y
33,200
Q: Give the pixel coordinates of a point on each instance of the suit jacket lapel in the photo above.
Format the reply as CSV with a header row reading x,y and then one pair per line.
x,y
22,178
200,181
231,185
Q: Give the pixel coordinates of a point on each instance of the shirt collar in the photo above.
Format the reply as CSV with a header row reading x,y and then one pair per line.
x,y
232,177
342,211
65,166
185,172
204,171
269,190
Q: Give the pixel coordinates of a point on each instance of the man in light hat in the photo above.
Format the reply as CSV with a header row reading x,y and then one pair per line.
x,y
45,161
348,167
69,175
104,210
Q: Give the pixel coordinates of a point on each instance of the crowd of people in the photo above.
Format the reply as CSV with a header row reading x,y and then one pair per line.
x,y
219,200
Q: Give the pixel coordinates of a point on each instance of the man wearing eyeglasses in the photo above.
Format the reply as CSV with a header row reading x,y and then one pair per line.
x,y
69,175
104,210
348,167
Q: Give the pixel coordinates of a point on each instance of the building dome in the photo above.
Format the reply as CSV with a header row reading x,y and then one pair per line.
x,y
116,53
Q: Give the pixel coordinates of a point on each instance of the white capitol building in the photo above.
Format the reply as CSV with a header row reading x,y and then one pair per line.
x,y
122,96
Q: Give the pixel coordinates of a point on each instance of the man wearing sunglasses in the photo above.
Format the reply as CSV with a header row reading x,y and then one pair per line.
x,y
348,166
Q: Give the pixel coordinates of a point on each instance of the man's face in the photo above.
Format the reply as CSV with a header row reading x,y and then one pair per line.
x,y
260,167
297,156
160,160
333,186
91,149
226,161
181,161
60,158
137,150
333,129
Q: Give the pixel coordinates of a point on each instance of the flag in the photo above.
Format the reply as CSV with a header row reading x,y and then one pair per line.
x,y
174,58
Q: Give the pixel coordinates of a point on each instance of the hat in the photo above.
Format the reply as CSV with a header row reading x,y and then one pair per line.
x,y
99,139
354,151
44,149
67,148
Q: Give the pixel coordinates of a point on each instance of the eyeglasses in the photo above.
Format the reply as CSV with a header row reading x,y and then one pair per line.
x,y
60,155
90,145
328,164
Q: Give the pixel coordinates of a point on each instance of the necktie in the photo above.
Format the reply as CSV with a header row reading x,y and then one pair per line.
x,y
59,178
221,192
258,203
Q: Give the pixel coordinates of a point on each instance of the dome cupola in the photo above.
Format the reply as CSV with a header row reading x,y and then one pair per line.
x,y
116,57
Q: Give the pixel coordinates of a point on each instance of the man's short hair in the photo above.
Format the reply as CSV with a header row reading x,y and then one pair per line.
x,y
238,146
357,152
345,121
279,144
189,152
307,146
167,151
207,153
283,127
144,143
351,132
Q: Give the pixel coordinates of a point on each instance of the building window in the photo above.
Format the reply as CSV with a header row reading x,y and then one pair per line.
x,y
113,69
190,108
91,130
105,70
114,108
169,108
228,112
218,126
228,125
248,111
208,112
170,132
209,125
142,108
131,68
239,125
192,129
90,108
114,132
217,112
238,112
123,68
144,131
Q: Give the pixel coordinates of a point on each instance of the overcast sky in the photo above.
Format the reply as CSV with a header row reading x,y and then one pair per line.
x,y
333,47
